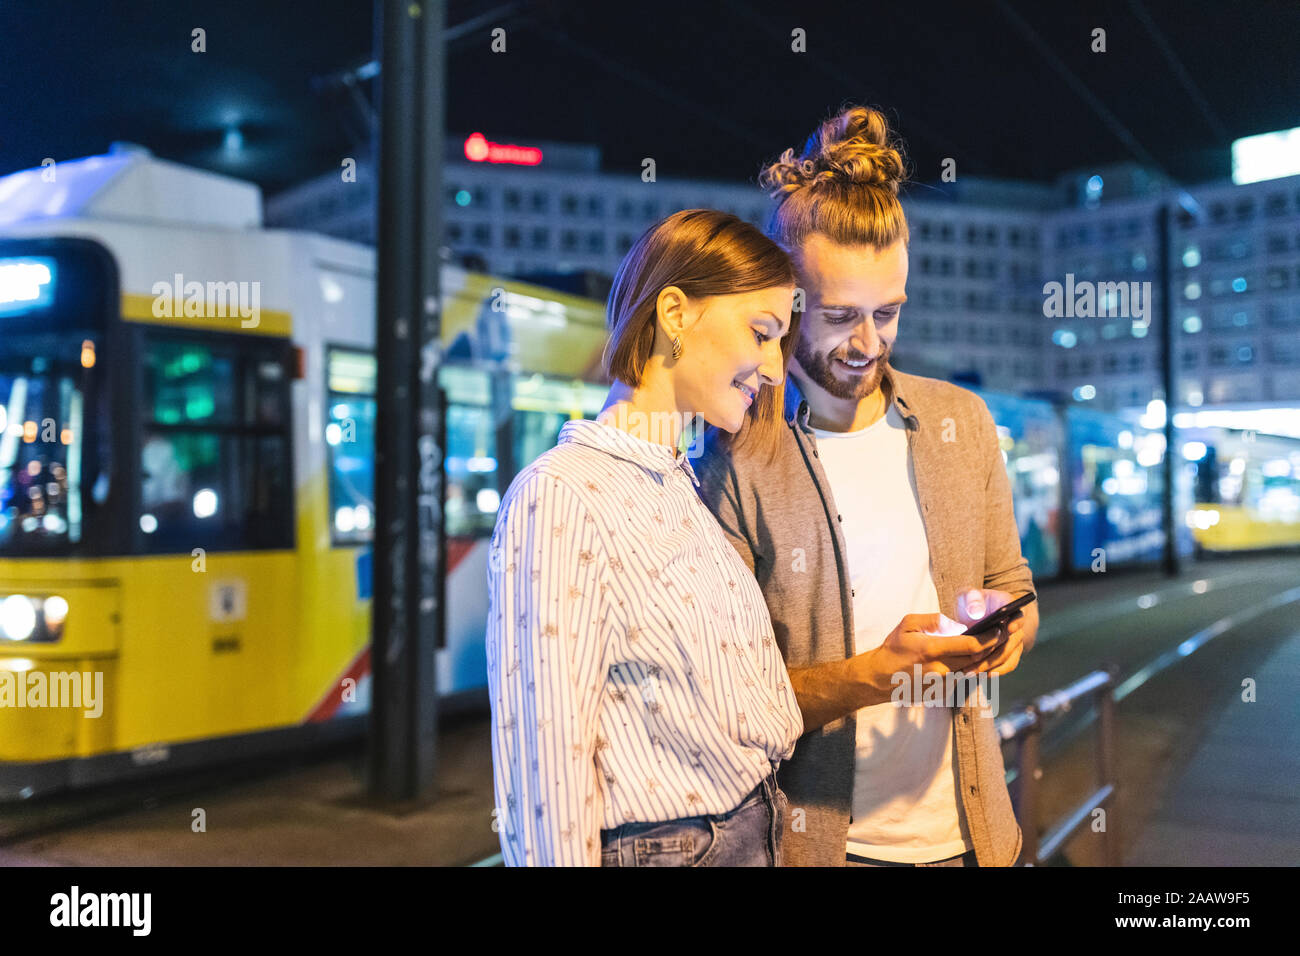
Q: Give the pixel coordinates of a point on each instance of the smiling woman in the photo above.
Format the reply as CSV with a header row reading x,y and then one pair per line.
x,y
706,298
640,705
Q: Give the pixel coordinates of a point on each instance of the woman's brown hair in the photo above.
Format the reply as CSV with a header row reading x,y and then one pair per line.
x,y
703,252
843,184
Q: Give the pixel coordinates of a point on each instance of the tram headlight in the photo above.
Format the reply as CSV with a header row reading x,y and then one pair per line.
x,y
1203,519
17,617
25,618
56,611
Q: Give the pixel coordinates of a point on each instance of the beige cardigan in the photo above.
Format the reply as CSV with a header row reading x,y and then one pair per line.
x,y
770,510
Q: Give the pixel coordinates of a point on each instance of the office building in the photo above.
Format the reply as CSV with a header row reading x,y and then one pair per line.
x,y
982,255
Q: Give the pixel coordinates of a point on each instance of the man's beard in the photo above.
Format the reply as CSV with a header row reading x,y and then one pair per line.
x,y
818,368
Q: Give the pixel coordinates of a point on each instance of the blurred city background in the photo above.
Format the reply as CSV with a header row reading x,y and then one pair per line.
x,y
1148,409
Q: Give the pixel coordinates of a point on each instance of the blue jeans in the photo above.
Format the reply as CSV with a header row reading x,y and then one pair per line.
x,y
749,835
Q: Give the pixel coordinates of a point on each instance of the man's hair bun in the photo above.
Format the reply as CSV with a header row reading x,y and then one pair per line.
x,y
854,147
843,184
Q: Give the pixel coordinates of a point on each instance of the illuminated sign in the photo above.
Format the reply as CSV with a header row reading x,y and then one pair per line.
x,y
1266,156
478,149
26,283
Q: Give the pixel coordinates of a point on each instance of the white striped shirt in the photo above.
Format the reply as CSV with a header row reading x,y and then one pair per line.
x,y
632,667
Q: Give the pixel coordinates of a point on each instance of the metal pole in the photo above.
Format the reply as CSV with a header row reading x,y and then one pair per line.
x,y
430,435
408,560
1027,791
1168,337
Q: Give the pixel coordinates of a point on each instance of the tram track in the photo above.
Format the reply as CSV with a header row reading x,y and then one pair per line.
x,y
29,820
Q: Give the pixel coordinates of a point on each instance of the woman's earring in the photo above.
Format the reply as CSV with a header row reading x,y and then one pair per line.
x,y
677,347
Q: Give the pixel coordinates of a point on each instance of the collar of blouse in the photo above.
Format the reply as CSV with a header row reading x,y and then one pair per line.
x,y
622,444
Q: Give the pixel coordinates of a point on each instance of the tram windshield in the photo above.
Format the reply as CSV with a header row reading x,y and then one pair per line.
x,y
47,385
52,370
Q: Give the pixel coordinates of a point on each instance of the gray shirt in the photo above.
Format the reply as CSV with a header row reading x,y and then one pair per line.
x,y
782,519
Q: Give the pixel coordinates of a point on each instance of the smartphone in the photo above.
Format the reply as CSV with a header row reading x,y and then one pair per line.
x,y
1001,615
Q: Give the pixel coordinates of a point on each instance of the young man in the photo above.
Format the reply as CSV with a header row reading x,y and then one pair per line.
x,y
885,508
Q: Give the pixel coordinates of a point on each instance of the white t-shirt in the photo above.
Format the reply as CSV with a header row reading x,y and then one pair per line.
x,y
905,804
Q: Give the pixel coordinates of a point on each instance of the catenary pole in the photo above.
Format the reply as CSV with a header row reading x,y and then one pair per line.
x,y
408,554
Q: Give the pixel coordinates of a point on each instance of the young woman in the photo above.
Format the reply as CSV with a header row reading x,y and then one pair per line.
x,y
640,705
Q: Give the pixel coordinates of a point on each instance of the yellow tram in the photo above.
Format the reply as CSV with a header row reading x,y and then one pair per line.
x,y
186,468
187,409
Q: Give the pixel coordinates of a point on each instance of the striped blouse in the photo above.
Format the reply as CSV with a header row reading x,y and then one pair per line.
x,y
632,667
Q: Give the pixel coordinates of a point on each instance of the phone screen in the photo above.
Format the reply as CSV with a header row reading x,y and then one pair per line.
x,y
1001,615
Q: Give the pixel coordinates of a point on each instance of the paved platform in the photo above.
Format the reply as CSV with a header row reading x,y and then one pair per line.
x,y
1237,802
315,814
1231,788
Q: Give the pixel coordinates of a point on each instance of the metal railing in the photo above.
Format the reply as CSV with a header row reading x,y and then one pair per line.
x,y
1026,726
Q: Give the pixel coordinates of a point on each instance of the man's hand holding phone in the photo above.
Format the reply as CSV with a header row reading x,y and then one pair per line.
x,y
934,641
942,645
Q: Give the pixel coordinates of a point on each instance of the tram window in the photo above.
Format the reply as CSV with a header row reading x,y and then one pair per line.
x,y
211,489
215,470
47,409
472,470
541,407
188,384
350,444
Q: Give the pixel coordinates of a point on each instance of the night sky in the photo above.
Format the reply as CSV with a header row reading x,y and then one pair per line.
x,y
1006,87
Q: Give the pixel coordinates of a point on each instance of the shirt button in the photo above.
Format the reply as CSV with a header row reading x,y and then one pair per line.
x,y
853,592
839,517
